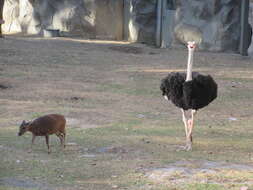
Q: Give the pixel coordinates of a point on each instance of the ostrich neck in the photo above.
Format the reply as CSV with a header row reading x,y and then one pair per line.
x,y
189,66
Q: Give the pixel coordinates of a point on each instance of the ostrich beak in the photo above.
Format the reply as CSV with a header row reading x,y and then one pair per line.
x,y
166,97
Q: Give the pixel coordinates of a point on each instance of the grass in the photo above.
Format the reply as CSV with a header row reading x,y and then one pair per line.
x,y
118,88
205,186
133,130
144,146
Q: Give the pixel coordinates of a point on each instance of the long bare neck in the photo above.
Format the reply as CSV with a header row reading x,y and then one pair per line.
x,y
189,65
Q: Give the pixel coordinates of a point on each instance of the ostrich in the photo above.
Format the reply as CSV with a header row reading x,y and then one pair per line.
x,y
189,91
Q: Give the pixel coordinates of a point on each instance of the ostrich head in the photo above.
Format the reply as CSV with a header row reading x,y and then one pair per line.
x,y
191,45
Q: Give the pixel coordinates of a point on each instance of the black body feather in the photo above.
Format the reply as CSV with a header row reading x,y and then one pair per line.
x,y
194,94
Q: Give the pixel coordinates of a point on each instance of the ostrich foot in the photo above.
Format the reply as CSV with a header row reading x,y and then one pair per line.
x,y
181,148
187,147
29,150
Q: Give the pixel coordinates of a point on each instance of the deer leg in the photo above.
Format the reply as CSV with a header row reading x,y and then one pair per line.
x,y
47,141
64,135
62,138
58,134
33,138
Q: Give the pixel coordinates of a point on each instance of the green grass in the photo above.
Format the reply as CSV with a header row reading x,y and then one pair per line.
x,y
16,188
205,187
122,89
144,144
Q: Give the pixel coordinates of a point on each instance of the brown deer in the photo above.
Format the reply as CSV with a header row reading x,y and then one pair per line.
x,y
45,126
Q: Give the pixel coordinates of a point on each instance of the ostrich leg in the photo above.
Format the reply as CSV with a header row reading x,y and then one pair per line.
x,y
185,122
187,131
190,129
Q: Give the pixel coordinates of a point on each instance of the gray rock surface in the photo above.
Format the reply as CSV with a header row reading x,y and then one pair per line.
x,y
214,23
218,21
141,25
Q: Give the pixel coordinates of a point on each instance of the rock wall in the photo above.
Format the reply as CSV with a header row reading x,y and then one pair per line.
x,y
217,23
87,18
213,23
141,20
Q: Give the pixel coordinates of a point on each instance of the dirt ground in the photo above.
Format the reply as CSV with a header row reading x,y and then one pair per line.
x,y
119,128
